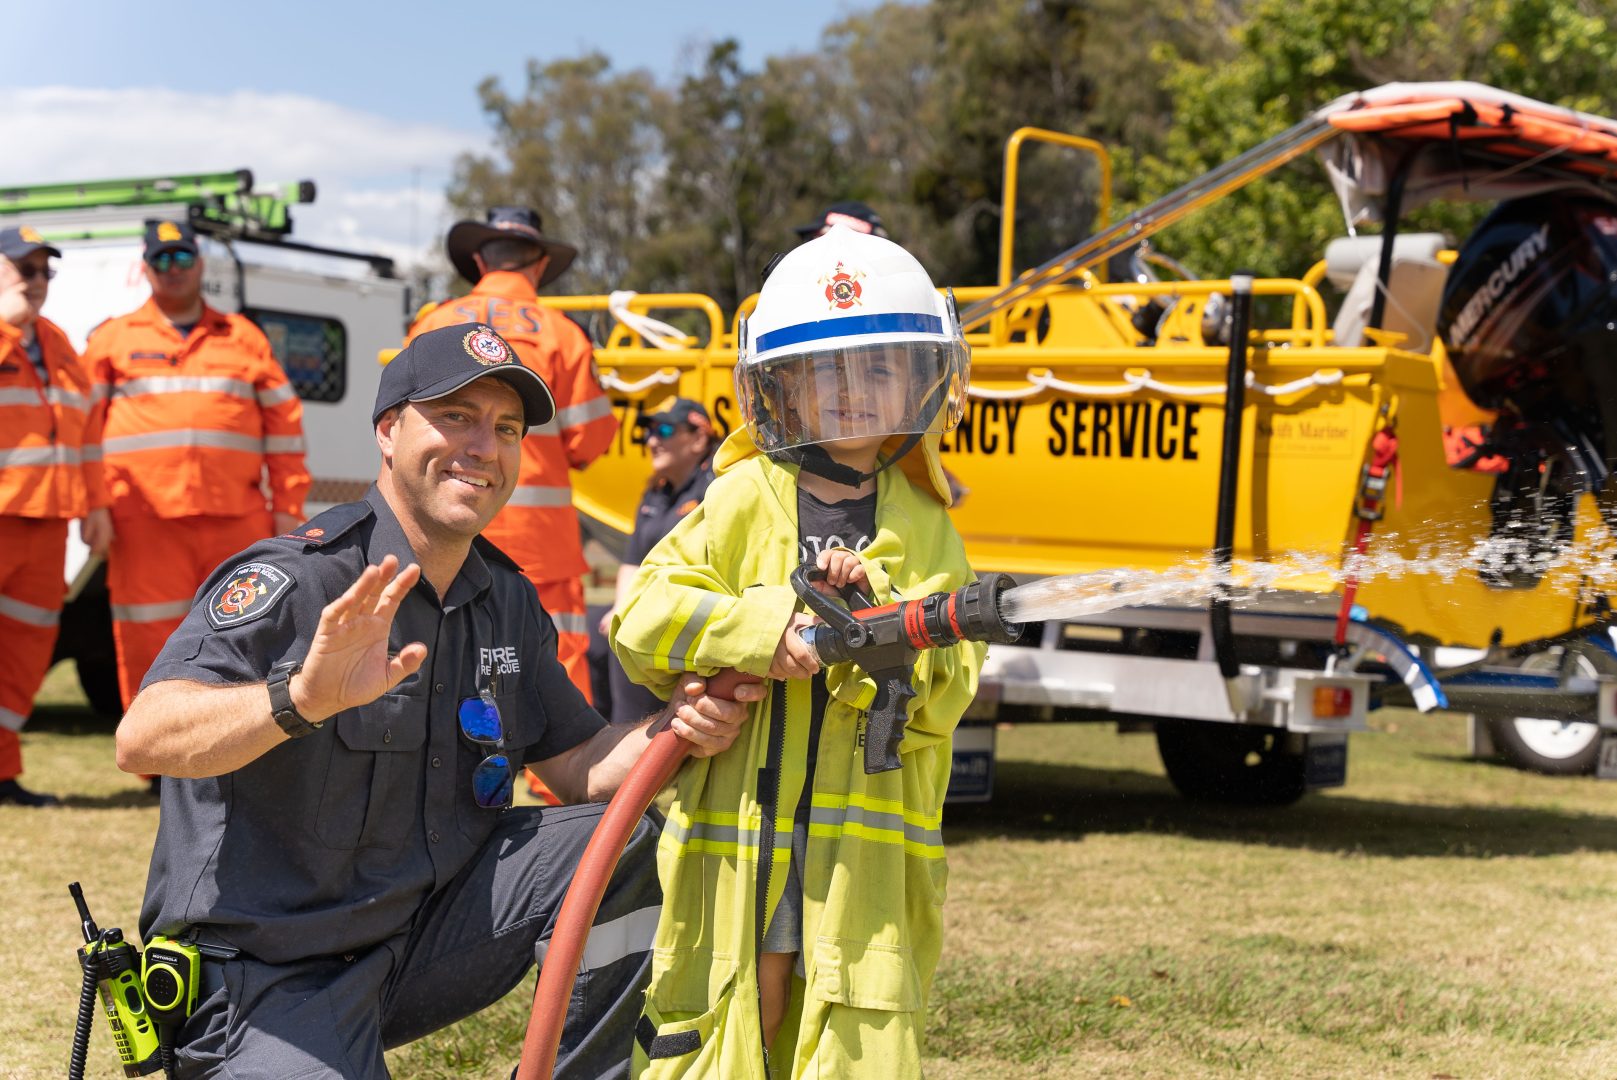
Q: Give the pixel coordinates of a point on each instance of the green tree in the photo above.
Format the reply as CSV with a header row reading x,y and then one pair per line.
x,y
583,145
1293,56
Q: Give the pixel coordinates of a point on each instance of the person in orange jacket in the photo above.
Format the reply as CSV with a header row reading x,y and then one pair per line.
x,y
507,258
50,472
202,443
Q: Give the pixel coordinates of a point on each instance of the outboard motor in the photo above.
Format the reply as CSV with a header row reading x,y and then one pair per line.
x,y
1529,317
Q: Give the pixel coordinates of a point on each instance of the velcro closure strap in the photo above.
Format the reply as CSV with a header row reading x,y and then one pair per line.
x,y
657,1046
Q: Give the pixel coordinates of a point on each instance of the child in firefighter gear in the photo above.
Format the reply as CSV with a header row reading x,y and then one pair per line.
x,y
801,922
50,473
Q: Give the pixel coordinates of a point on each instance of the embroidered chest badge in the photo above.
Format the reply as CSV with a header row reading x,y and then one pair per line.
x,y
249,591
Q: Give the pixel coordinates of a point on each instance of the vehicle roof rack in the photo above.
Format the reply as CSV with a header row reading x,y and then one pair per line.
x,y
222,203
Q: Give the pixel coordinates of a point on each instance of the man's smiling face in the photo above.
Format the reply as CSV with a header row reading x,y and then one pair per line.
x,y
454,460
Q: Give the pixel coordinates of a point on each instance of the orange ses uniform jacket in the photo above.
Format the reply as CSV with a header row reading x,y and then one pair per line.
x,y
193,424
50,454
50,471
538,527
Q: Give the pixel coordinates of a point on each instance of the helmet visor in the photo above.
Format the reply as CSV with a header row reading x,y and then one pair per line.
x,y
856,392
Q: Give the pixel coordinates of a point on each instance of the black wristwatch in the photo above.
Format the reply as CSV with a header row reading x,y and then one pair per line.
x,y
280,692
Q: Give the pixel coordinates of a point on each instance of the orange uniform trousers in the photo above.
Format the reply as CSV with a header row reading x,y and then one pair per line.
x,y
154,570
563,601
32,552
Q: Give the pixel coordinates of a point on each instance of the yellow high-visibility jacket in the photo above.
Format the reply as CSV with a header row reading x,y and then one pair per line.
x,y
712,595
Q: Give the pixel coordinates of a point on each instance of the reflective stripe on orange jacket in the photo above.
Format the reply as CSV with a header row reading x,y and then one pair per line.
x,y
194,424
50,442
538,527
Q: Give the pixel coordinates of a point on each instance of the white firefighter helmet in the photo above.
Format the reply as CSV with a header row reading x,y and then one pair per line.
x,y
850,340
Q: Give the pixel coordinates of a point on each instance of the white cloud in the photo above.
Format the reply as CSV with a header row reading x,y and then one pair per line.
x,y
380,182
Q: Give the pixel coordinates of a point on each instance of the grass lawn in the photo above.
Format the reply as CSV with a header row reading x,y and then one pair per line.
x,y
1438,917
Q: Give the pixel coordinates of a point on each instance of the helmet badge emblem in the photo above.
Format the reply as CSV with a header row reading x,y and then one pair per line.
x,y
842,288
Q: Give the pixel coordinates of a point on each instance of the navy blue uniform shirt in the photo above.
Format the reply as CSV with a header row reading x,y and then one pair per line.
x,y
328,844
662,507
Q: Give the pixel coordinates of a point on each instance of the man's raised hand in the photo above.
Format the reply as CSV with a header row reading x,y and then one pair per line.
x,y
348,662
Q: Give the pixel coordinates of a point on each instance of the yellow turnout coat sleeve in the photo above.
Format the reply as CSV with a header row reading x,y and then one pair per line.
x,y
712,595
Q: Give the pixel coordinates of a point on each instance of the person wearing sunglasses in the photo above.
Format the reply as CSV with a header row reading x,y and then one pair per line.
x,y
680,440
338,722
200,421
50,473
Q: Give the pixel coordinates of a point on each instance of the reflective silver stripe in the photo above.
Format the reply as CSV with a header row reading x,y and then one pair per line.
x,y
12,721
91,452
876,819
620,938
175,609
53,394
100,392
583,413
693,626
180,384
533,495
31,614
57,396
284,444
284,392
40,455
166,440
711,832
570,622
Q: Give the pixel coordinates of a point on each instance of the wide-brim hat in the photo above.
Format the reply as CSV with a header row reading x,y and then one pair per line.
x,y
505,223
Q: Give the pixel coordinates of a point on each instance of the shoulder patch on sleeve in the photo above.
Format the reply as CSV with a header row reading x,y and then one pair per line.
x,y
327,526
250,591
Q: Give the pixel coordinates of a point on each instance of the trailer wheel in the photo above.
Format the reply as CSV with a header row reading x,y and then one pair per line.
x,y
1228,763
1551,747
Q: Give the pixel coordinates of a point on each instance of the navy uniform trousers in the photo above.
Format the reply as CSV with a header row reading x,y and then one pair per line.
x,y
470,944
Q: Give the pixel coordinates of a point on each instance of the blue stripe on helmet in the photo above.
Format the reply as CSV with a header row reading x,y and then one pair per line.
x,y
899,323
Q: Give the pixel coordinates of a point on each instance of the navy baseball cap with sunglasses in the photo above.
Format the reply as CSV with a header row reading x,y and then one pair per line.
x,y
672,414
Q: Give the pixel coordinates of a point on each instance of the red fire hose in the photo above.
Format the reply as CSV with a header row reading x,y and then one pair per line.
x,y
560,968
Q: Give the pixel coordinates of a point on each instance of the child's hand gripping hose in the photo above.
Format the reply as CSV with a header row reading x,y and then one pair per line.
x,y
884,641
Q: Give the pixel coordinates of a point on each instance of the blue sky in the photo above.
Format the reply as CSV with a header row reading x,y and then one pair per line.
x,y
371,100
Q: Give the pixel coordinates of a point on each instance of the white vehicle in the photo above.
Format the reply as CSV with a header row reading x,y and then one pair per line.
x,y
326,313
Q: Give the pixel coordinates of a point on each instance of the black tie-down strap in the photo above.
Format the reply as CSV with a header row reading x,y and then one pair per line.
x,y
656,1046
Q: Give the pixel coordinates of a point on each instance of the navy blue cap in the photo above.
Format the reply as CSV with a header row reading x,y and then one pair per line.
x,y
164,236
852,213
21,242
679,410
505,223
442,361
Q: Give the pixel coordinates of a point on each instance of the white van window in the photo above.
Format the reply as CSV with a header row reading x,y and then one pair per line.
x,y
312,350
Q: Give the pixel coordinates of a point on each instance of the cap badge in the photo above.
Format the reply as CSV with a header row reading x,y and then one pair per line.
x,y
842,288
849,221
27,233
486,347
168,232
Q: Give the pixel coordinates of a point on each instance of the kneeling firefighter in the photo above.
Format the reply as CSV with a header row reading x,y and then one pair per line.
x,y
802,877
